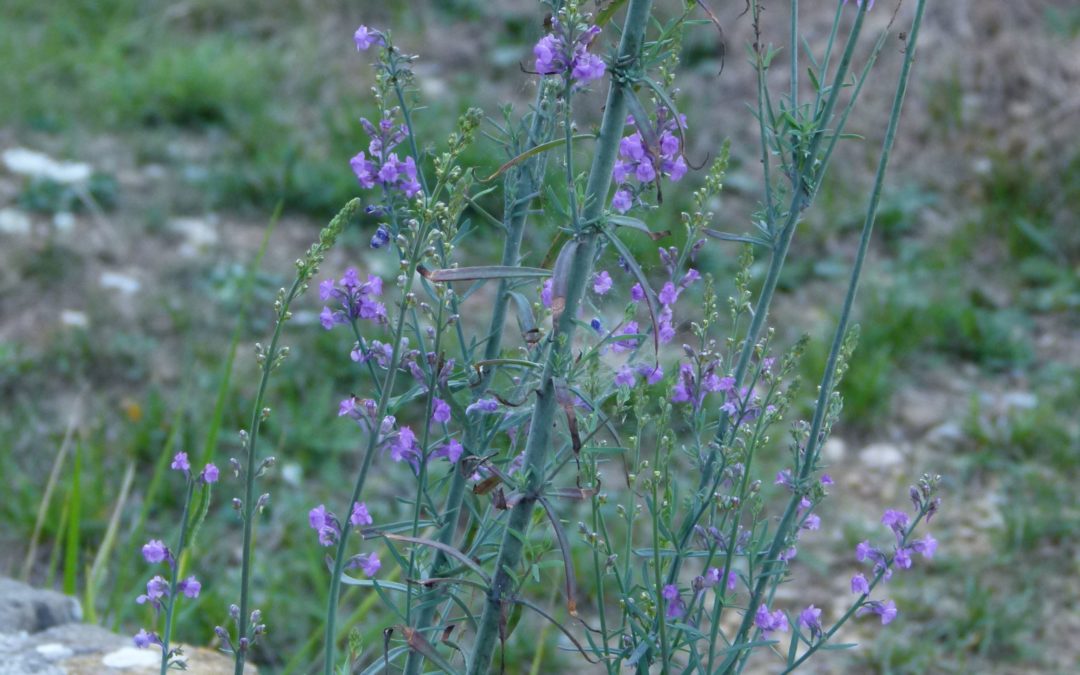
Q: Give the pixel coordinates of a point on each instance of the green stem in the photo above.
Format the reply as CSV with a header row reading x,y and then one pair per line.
x,y
167,635
307,268
825,388
361,479
526,178
538,443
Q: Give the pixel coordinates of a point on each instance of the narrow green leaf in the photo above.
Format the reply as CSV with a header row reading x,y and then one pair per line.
x,y
484,272
535,150
71,544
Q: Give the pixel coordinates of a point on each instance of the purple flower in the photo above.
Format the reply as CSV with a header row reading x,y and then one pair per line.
x,y
143,639
404,448
631,328
364,170
545,293
864,551
360,515
896,520
645,172
440,411
652,374
632,147
886,610
810,619
622,201
180,462
712,578
784,478
770,621
637,293
859,584
903,558
549,60
364,38
367,562
451,450
668,294
926,546
189,587
380,238
624,377
587,67
155,551
602,283
484,405
156,589
675,606
826,479
812,522
209,474
323,522
788,554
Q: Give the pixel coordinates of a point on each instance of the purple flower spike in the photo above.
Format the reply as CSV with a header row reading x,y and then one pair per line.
x,y
155,551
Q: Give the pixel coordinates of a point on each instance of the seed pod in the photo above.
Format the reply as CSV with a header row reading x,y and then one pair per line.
x,y
560,278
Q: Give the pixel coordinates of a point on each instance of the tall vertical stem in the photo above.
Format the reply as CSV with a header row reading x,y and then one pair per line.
x,y
825,389
525,180
538,444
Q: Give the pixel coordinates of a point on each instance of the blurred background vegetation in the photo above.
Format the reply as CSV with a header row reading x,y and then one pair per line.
x,y
121,304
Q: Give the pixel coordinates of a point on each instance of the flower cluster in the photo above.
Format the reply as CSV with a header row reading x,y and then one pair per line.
x,y
769,622
401,442
645,163
384,167
328,528
160,591
353,299
898,522
560,53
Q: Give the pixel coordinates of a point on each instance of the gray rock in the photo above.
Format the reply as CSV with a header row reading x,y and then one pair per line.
x,y
31,610
82,649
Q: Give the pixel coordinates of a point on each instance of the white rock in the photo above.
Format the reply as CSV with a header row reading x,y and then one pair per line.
x,y
834,449
120,282
39,165
881,456
64,221
14,221
1020,399
292,473
131,657
54,651
198,235
74,318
